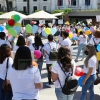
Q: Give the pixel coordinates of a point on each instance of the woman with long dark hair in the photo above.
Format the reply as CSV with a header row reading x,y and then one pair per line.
x,y
38,45
82,42
68,65
25,79
90,66
5,60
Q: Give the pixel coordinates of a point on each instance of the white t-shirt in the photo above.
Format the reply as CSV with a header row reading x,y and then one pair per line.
x,y
30,39
82,39
47,49
22,83
91,64
57,70
60,39
5,42
97,40
3,69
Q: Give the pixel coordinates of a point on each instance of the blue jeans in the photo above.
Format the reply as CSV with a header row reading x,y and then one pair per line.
x,y
89,86
40,63
2,95
61,96
83,48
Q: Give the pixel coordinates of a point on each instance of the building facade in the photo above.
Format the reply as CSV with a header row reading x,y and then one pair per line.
x,y
50,5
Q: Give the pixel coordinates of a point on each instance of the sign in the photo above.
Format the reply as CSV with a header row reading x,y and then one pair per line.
x,y
60,21
53,21
42,22
98,18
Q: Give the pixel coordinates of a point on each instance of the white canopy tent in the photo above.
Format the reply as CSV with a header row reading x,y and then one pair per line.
x,y
58,14
41,15
9,14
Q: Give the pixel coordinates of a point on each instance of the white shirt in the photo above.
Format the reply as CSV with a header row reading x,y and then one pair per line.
x,y
60,38
5,42
57,70
3,69
47,49
30,39
15,48
91,64
22,83
97,40
82,39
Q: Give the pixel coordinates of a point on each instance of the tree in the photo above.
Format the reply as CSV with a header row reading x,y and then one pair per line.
x,y
7,4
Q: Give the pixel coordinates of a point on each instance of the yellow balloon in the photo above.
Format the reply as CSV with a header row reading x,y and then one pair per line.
x,y
12,17
94,27
79,30
48,31
18,24
88,32
70,35
98,56
67,23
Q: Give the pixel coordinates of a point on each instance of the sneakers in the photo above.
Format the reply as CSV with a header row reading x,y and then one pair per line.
x,y
48,85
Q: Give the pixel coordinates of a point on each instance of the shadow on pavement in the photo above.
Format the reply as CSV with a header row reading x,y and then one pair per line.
x,y
78,95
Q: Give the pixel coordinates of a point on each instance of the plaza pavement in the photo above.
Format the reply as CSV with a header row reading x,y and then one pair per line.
x,y
49,93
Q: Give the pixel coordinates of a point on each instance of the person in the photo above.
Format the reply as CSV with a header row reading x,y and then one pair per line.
x,y
82,42
24,78
66,41
20,42
3,39
60,38
95,40
5,55
38,45
66,62
90,66
47,48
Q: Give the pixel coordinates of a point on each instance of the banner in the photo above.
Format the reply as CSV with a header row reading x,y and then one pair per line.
x,y
60,21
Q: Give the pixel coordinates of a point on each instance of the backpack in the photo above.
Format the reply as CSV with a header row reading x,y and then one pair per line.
x,y
38,49
53,54
71,83
98,52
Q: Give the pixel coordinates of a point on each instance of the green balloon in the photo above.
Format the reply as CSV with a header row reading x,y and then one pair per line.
x,y
12,32
16,17
7,26
28,28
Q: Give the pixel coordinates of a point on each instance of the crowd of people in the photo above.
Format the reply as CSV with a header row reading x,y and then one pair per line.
x,y
24,76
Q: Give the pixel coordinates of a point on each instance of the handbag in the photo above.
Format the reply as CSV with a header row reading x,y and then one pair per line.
x,y
6,86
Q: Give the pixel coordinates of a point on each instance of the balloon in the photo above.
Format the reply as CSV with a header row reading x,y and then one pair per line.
x,y
67,23
28,28
48,31
92,29
16,17
44,34
98,56
7,26
67,30
74,38
98,47
79,71
79,30
49,24
18,29
86,29
32,22
12,32
12,17
53,30
11,22
88,32
1,28
81,79
18,24
74,35
34,29
37,54
70,35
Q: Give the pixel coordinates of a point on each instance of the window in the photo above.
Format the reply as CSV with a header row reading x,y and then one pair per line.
x,y
60,2
45,8
24,0
73,2
34,8
24,9
87,2
34,0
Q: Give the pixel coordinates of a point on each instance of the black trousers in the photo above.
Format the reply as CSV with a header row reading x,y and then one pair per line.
x,y
49,73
